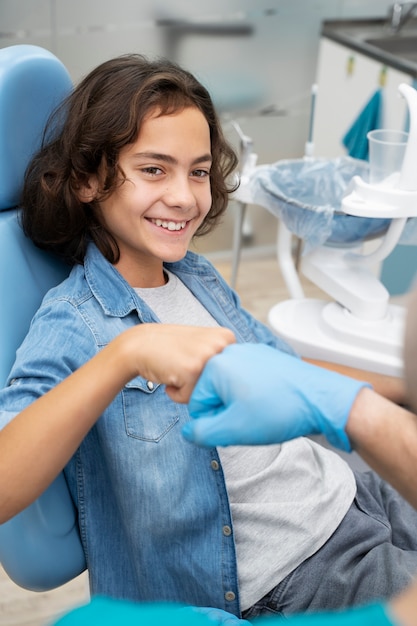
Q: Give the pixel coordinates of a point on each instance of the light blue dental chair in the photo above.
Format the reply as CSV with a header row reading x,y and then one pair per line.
x,y
40,548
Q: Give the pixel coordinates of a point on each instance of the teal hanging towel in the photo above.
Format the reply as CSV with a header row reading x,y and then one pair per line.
x,y
369,118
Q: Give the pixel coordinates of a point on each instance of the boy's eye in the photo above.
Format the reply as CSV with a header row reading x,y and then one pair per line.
x,y
153,170
200,173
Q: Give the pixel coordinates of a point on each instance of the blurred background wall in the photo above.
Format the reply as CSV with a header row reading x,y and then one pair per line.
x,y
257,57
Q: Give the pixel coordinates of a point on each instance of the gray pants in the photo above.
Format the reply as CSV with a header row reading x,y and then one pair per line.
x,y
371,556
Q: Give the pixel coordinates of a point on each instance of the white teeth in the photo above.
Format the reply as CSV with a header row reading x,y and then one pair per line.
x,y
169,225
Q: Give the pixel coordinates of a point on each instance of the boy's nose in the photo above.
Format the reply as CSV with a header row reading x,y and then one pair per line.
x,y
179,194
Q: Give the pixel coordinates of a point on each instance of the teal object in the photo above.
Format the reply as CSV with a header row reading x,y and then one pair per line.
x,y
107,612
40,548
399,270
369,118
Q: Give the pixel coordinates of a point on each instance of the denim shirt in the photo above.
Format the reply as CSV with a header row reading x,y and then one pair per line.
x,y
153,509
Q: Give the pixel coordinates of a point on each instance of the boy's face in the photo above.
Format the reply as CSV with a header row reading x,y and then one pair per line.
x,y
154,214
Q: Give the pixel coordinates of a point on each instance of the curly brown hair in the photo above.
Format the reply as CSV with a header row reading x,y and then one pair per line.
x,y
84,137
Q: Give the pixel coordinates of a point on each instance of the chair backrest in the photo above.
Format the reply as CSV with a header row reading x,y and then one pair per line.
x,y
40,548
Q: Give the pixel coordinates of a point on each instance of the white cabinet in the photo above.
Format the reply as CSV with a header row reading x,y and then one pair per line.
x,y
346,81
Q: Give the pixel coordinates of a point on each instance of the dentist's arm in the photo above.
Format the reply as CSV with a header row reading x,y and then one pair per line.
x,y
385,436
391,387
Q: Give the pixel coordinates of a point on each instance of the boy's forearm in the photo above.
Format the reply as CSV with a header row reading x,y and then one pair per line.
x,y
37,444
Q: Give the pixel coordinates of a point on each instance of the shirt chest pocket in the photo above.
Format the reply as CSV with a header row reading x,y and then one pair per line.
x,y
149,413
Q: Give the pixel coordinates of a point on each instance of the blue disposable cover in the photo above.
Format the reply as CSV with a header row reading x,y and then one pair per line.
x,y
307,195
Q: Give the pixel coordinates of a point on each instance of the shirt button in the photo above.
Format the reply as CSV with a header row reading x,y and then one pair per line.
x,y
230,596
150,385
214,465
227,531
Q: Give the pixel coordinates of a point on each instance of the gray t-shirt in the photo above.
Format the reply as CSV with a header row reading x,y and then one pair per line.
x,y
286,500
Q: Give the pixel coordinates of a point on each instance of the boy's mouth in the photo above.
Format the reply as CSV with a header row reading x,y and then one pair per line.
x,y
168,224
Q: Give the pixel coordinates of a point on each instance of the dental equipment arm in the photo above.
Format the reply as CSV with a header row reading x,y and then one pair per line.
x,y
408,180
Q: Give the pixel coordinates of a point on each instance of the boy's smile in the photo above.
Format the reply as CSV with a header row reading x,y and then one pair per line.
x,y
170,225
154,214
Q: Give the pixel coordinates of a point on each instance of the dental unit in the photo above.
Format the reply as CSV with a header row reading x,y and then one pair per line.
x,y
356,325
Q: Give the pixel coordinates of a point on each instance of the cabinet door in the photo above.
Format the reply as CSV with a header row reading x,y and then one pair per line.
x,y
346,81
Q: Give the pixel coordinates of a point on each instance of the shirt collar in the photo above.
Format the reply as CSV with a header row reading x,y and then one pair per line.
x,y
113,292
108,286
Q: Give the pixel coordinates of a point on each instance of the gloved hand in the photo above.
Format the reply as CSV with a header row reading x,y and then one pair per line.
x,y
253,394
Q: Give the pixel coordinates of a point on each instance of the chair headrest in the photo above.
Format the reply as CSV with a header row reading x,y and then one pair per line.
x,y
32,83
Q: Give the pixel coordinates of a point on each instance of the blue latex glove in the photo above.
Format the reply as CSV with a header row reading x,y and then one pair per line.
x,y
253,394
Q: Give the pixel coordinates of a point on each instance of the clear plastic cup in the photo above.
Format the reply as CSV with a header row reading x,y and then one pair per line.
x,y
386,153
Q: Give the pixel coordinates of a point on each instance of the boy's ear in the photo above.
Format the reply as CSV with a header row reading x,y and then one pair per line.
x,y
87,191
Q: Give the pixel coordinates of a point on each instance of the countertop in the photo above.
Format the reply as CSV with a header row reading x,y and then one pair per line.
x,y
355,34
